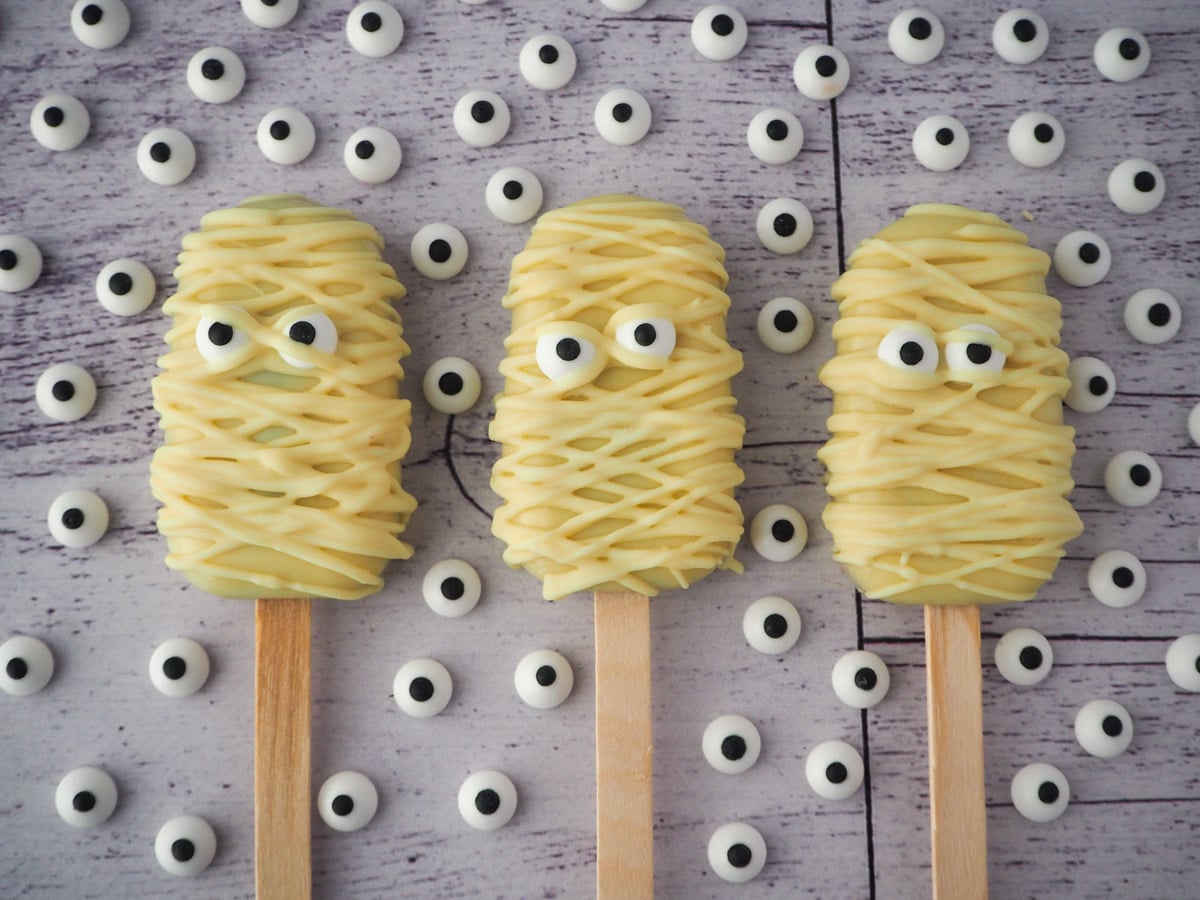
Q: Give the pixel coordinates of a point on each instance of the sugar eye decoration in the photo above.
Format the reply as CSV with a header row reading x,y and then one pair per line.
x,y
452,385
771,625
973,357
1040,792
1136,186
451,588
216,340
216,74
374,28
1183,662
185,846
100,24
1117,578
784,226
422,688
785,325
1082,258
941,143
544,679
59,122
652,336
1121,54
347,801
514,195
487,800
77,519
20,263
562,355
614,5
166,156
737,852
834,770
439,251
1153,316
1020,36
623,117
482,118
547,62
270,13
26,665
719,32
778,532
861,679
775,136
179,667
911,348
86,797
1023,656
1194,424
286,136
308,328
372,155
1103,728
731,744
916,36
1036,139
1132,478
821,72
65,392
1093,384
125,287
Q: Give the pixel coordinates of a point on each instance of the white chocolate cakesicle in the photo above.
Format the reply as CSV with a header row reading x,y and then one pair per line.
x,y
280,471
948,463
617,420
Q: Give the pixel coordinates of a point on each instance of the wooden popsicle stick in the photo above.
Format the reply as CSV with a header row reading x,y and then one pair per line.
x,y
282,761
958,816
624,748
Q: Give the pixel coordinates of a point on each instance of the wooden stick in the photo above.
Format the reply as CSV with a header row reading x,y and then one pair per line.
x,y
282,762
958,816
624,748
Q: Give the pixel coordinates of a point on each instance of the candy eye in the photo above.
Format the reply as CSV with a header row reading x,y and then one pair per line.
x,y
1093,385
547,62
286,136
861,679
1121,54
270,13
910,348
216,74
216,339
1036,139
100,24
487,800
1023,656
1136,186
785,325
66,392
1040,792
623,117
1153,316
179,667
1132,478
784,226
422,688
771,625
125,287
775,136
719,32
1103,728
86,797
558,355
59,122
77,519
185,846
372,155
544,679
737,852
916,36
1082,258
1183,662
347,801
26,665
655,337
1020,36
731,744
166,156
941,143
778,532
451,588
374,28
481,118
974,356
834,770
439,251
20,263
514,195
614,5
452,385
821,72
1117,578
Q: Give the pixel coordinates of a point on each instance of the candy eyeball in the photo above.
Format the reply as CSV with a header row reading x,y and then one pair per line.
x,y
916,36
1136,186
1193,424
784,226
972,357
821,72
482,118
77,519
941,143
861,679
1117,579
26,665
100,24
270,13
1183,662
487,800
20,263
1040,792
1020,36
217,340
1036,139
623,117
719,32
514,195
439,251
286,136
185,846
179,667
372,155
59,122
347,801
451,588
737,852
452,385
561,355
544,679
66,392
731,744
166,156
910,348
374,28
785,325
775,136
778,532
125,287
1093,384
771,625
547,62
1132,478
650,336
86,797
1082,258
1153,316
216,74
1121,54
307,327
834,770
1024,657
620,5
422,688
1103,728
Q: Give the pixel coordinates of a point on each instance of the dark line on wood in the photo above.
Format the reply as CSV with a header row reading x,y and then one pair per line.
x,y
458,482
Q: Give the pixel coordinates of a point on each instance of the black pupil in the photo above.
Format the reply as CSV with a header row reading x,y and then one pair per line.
x,y
722,25
53,116
1024,30
836,773
16,668
645,334
733,747
783,530
865,679
1122,577
8,260
786,321
342,805
453,588
785,225
303,332
775,626
1098,385
1043,133
482,111
174,668
979,353
73,518
160,151
548,54
220,334
944,136
121,283
622,112
91,14
212,69
911,353
1089,252
1112,726
568,349
450,384
487,801
280,130
1129,49
1139,475
739,856
777,130
439,250
420,689
513,190
63,391
826,66
919,28
1144,182
364,149
1031,658
182,850
371,22
1048,792
1159,314
84,801
545,676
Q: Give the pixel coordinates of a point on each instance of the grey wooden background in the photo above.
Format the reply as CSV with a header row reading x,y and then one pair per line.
x,y
1133,828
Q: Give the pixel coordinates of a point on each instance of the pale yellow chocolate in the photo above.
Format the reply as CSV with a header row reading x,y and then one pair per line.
x,y
278,480
619,474
948,487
